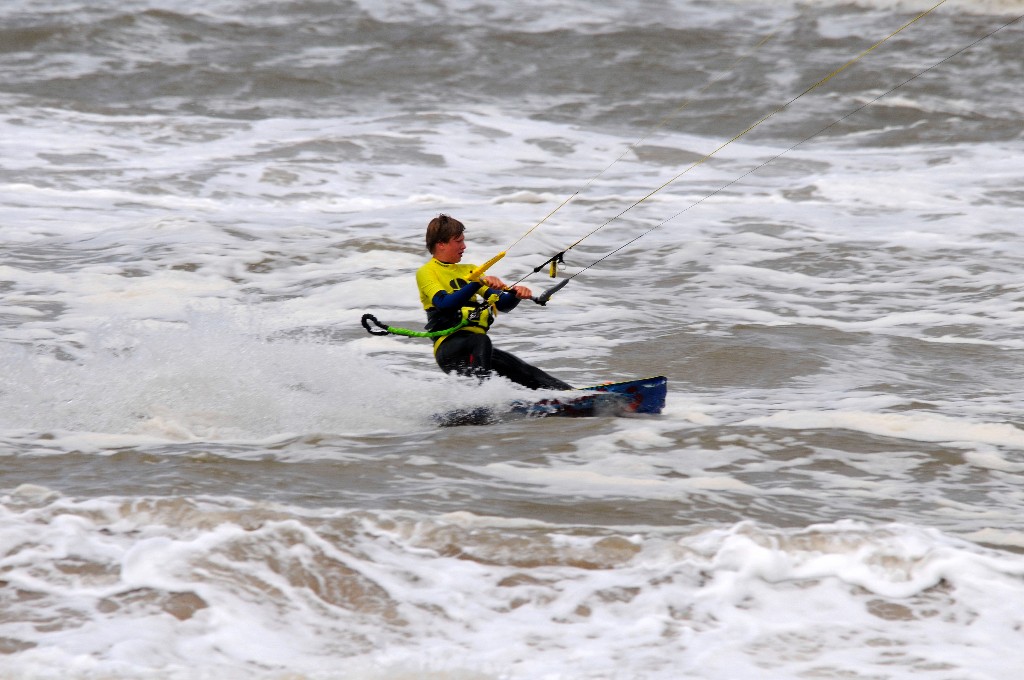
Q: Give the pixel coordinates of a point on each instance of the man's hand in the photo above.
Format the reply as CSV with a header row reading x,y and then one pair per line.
x,y
494,283
522,292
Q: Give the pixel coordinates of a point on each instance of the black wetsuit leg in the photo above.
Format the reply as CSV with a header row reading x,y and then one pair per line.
x,y
472,354
465,353
518,371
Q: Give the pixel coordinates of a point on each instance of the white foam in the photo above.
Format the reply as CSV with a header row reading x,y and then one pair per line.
x,y
177,587
216,378
917,427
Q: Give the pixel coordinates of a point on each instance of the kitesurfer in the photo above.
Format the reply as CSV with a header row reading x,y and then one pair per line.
x,y
449,297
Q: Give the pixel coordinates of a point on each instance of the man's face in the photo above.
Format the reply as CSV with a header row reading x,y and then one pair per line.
x,y
450,251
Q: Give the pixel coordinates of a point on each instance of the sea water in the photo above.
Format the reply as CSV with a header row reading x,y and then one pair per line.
x,y
208,469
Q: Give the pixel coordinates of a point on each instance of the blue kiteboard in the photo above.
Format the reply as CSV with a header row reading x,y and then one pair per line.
x,y
645,396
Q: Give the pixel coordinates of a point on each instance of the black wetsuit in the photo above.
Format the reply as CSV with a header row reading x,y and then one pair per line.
x,y
448,298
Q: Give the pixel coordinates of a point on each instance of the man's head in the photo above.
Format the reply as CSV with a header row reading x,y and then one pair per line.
x,y
443,230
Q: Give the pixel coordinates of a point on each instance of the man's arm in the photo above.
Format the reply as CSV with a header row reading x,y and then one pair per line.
x,y
457,298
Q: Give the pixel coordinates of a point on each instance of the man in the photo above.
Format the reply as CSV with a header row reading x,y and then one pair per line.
x,y
449,298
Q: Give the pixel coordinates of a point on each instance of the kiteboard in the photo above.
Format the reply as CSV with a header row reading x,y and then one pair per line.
x,y
646,396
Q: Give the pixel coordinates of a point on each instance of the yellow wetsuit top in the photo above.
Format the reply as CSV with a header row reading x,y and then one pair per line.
x,y
449,310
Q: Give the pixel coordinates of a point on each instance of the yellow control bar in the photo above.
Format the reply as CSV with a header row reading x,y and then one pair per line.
x,y
479,271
